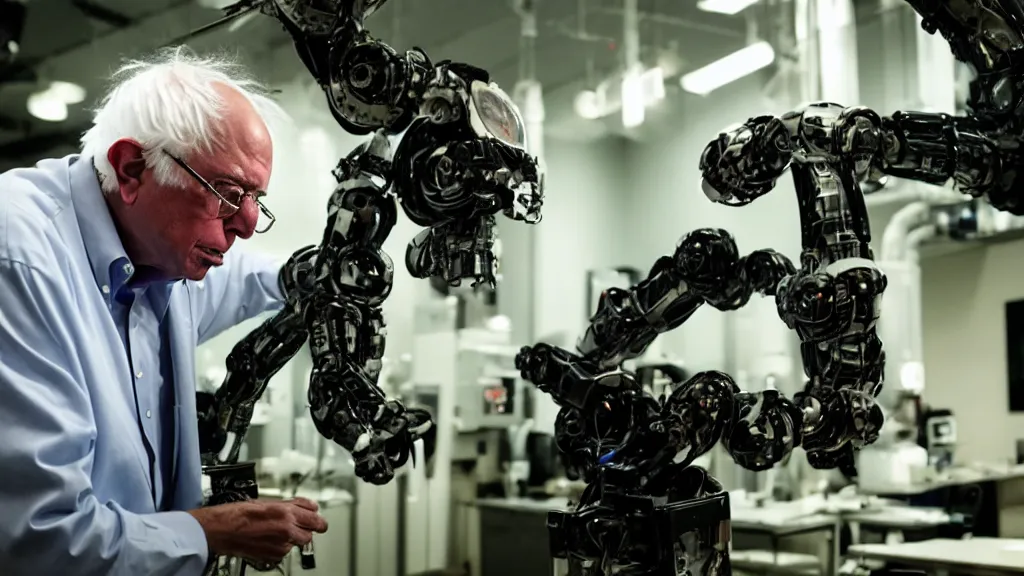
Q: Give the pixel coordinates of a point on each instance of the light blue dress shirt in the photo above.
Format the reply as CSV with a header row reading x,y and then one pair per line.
x,y
99,447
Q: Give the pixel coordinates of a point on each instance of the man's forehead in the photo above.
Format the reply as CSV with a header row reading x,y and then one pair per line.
x,y
218,164
235,173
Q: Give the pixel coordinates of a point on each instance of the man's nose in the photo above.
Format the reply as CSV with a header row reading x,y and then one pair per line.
x,y
243,222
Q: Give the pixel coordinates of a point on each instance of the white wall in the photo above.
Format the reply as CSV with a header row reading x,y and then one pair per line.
x,y
965,345
583,228
666,202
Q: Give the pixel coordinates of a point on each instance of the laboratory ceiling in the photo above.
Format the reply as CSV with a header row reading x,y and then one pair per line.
x,y
579,43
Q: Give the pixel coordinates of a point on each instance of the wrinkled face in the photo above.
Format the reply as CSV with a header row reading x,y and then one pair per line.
x,y
174,231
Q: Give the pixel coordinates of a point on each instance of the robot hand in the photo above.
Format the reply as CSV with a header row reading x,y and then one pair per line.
x,y
744,163
460,164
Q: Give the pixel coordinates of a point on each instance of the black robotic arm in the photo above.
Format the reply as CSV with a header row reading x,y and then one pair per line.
x,y
646,509
461,160
833,300
634,450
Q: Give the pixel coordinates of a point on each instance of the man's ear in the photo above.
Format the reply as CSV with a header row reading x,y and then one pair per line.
x,y
125,156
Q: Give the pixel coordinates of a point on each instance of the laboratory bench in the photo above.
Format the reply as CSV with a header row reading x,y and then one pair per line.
x,y
754,527
514,538
513,534
973,556
1001,511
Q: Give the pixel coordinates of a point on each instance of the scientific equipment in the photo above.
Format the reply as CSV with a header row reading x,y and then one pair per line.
x,y
939,437
489,391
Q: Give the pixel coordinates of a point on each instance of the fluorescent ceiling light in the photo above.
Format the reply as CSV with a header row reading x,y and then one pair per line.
x,y
52,104
588,105
68,92
632,99
728,69
653,85
48,106
728,7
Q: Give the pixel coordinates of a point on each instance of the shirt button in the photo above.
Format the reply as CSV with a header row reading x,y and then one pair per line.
x,y
105,289
149,414
138,374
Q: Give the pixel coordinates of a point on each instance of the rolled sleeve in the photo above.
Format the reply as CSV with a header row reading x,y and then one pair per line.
x,y
244,287
51,522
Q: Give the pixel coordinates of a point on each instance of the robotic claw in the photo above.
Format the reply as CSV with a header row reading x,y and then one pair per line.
x,y
646,511
461,160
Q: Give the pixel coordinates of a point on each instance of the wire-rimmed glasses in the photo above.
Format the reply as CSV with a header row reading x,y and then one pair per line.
x,y
230,201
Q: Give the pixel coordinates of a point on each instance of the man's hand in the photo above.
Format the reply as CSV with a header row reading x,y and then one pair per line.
x,y
261,530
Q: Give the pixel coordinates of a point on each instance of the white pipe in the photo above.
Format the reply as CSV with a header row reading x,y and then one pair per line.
x,y
915,238
909,191
528,93
631,33
837,51
898,196
807,49
900,325
894,238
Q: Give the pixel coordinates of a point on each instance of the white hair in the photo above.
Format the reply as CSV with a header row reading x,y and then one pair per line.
x,y
169,102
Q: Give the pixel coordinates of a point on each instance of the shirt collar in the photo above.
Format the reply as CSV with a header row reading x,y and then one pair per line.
x,y
111,266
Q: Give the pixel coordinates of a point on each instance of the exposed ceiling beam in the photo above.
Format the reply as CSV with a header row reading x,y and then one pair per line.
x,y
85,52
99,12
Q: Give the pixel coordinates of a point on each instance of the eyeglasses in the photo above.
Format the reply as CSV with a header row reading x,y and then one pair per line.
x,y
230,200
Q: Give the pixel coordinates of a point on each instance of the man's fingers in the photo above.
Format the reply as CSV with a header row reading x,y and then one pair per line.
x,y
300,537
310,521
305,503
280,552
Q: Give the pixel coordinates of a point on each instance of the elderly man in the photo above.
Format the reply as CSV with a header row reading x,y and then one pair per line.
x,y
114,265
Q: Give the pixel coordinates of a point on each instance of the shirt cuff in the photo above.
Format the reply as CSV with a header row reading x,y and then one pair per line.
x,y
188,533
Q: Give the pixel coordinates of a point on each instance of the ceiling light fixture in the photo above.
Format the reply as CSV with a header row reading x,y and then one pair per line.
x,y
727,7
729,69
588,105
633,109
69,92
51,104
47,106
653,85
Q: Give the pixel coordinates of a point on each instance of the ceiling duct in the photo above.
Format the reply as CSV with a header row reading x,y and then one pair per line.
x,y
528,92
